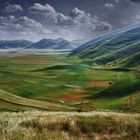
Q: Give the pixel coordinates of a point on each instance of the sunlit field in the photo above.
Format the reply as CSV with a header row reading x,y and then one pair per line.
x,y
69,126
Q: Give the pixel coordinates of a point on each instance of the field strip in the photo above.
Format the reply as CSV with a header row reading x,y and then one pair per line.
x,y
11,98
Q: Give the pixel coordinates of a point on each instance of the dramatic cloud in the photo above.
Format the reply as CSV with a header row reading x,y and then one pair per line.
x,y
15,27
70,19
18,23
77,19
81,17
50,14
13,8
77,24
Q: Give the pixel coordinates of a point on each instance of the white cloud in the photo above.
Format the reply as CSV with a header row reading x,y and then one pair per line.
x,y
50,14
82,18
133,19
137,18
77,24
77,19
13,27
13,8
103,26
18,23
109,5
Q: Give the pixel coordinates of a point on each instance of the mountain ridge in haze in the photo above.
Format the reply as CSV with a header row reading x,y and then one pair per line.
x,y
56,44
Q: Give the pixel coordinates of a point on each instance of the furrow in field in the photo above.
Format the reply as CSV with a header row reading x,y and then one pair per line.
x,y
14,99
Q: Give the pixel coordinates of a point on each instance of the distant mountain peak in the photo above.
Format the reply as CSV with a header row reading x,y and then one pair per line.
x,y
59,44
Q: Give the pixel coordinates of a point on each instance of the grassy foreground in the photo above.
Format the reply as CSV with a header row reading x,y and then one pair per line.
x,y
38,125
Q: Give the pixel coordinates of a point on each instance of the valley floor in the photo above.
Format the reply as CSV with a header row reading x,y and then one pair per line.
x,y
31,85
56,82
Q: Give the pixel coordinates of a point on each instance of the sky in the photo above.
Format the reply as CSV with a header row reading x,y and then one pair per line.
x,y
69,19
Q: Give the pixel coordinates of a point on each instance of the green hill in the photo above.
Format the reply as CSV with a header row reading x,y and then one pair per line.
x,y
118,49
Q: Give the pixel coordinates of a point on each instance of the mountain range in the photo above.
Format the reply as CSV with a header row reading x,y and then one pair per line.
x,y
56,44
120,47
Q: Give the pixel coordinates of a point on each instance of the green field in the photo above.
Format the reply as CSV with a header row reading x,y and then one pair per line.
x,y
44,81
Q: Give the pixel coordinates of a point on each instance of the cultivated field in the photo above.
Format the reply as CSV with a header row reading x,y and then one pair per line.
x,y
59,83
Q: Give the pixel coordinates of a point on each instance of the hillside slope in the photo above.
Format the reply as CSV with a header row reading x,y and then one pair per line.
x,y
30,103
119,47
6,44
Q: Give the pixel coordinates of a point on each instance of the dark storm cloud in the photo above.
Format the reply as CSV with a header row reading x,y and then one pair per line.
x,y
135,0
71,19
